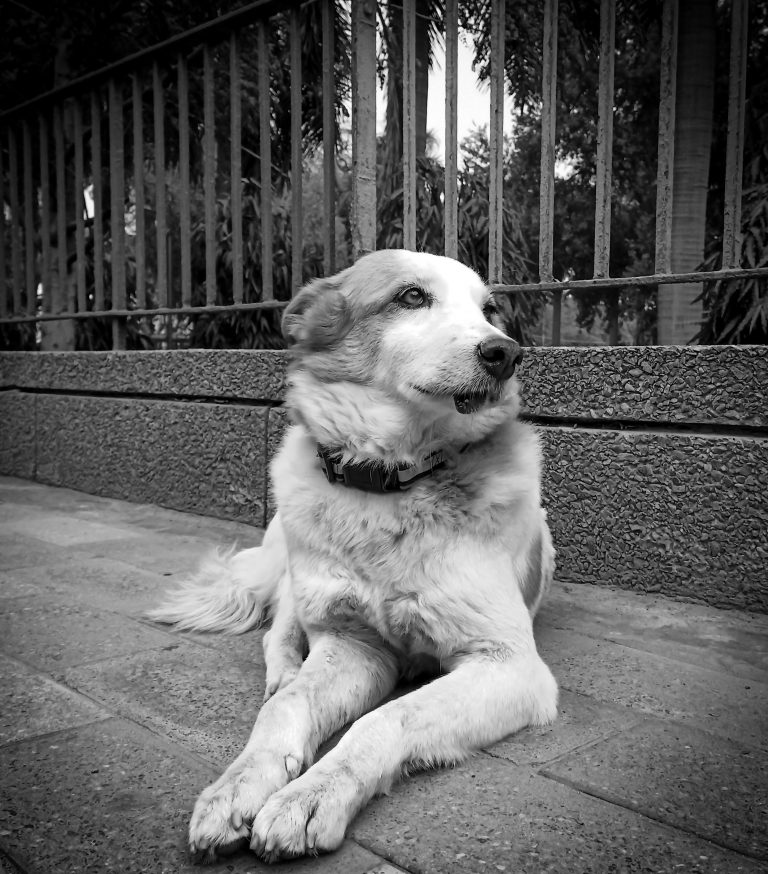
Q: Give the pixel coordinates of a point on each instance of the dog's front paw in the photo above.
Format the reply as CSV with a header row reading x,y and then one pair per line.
x,y
280,676
309,816
221,820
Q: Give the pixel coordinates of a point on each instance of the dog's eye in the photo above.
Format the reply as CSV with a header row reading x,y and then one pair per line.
x,y
490,309
413,297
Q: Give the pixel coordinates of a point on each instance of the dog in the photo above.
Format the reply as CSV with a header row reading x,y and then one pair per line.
x,y
409,537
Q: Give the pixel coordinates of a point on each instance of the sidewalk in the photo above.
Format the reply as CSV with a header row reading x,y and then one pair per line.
x,y
110,726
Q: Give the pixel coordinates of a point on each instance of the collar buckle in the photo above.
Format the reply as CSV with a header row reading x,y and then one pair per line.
x,y
376,477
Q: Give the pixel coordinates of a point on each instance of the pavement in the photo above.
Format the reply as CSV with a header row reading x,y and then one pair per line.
x,y
110,725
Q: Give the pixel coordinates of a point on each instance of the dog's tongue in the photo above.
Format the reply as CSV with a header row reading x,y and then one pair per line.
x,y
468,403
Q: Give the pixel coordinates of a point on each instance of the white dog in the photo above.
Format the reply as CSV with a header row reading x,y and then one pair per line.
x,y
409,534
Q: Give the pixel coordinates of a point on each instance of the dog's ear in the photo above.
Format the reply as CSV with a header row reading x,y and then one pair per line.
x,y
318,316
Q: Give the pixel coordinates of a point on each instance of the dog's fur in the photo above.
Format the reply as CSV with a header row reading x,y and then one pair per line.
x,y
446,574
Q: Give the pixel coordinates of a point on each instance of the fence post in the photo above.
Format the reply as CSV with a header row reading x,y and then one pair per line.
x,y
363,127
734,152
329,139
667,105
451,128
409,126
547,183
117,211
496,169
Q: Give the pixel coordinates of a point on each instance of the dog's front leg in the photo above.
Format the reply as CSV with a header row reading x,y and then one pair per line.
x,y
340,679
481,700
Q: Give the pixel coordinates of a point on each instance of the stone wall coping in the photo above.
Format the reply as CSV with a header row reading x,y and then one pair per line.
x,y
700,385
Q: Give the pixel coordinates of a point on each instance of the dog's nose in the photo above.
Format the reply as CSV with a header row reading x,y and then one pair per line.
x,y
499,356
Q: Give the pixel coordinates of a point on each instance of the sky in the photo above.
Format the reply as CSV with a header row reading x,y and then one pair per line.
x,y
474,103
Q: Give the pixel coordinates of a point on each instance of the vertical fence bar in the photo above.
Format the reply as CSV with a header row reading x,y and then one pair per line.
x,y
45,214
140,251
161,217
185,221
29,221
79,199
409,125
495,193
604,138
363,127
117,209
209,175
734,166
547,182
329,139
98,203
60,300
265,161
451,128
297,236
13,197
236,192
666,158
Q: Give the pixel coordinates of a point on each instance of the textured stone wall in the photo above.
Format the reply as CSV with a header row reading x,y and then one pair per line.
x,y
679,514
656,459
709,385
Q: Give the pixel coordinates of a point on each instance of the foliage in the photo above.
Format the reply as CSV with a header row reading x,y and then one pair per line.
x,y
737,309
634,143
521,310
87,33
634,153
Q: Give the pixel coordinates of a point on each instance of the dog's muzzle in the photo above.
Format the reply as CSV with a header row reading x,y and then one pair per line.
x,y
499,356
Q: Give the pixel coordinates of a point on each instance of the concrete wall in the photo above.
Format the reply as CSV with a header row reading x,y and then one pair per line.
x,y
656,459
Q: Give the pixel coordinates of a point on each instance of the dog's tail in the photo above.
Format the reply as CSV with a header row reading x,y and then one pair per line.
x,y
232,591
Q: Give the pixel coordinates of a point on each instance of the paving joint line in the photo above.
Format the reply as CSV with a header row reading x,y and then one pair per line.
x,y
625,804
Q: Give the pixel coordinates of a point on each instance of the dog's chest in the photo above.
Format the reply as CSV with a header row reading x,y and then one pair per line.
x,y
410,614
421,568
388,571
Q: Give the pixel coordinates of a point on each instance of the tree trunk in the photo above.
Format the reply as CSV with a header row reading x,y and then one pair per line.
x,y
679,318
394,111
423,12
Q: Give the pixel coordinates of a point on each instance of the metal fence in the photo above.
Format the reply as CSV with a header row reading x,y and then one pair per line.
x,y
93,169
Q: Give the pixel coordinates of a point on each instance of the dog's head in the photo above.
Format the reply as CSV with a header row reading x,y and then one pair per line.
x,y
420,330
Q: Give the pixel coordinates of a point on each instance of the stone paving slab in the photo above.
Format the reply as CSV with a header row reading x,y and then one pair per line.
x,y
727,706
119,803
715,789
32,704
662,705
51,637
23,550
580,721
488,815
716,639
7,866
63,530
98,582
203,698
28,496
169,554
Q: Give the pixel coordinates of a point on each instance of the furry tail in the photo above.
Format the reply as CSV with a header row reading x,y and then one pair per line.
x,y
231,592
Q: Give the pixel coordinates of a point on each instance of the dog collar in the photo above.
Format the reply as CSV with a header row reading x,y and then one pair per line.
x,y
374,476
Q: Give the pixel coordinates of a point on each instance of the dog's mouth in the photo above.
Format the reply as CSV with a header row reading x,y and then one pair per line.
x,y
468,402
472,402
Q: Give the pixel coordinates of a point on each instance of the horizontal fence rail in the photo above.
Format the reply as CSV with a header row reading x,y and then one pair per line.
x,y
173,184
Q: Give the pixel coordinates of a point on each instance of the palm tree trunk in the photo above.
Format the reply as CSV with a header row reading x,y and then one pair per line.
x,y
423,51
679,318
